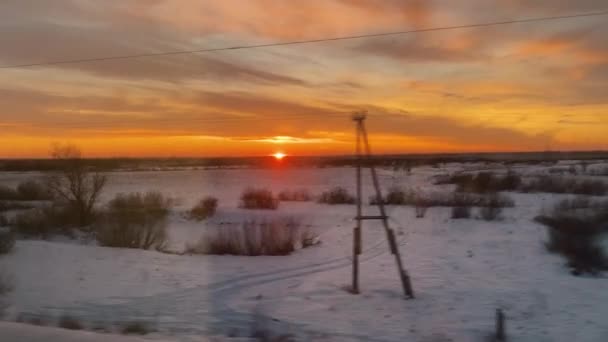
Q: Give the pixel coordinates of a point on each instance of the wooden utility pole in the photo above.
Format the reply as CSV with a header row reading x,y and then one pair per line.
x,y
359,119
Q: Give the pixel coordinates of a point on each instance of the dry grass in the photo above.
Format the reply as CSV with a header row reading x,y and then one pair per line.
x,y
32,190
135,328
463,212
253,198
397,196
13,205
560,185
44,222
492,211
575,230
8,194
337,195
69,322
297,195
7,283
7,241
135,220
253,238
204,209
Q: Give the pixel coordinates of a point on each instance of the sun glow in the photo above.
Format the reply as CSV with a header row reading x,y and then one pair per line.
x,y
279,155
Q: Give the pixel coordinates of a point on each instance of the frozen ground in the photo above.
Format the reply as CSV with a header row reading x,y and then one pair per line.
x,y
462,270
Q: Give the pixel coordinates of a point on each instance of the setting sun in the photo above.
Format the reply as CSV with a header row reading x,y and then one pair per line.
x,y
279,155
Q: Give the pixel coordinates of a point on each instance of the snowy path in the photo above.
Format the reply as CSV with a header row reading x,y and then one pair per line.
x,y
206,309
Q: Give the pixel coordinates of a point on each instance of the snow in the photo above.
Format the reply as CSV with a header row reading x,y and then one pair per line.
x,y
15,332
462,270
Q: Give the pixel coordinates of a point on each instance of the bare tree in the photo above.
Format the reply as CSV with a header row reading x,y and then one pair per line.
x,y
74,184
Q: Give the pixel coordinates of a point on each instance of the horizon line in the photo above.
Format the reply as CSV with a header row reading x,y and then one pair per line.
x,y
288,156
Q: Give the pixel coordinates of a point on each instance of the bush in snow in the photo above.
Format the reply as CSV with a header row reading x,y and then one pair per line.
x,y
253,198
135,328
8,194
31,223
575,230
337,195
7,240
442,199
492,211
559,185
43,222
33,191
6,283
484,182
205,208
12,205
298,195
69,322
421,209
252,238
462,212
135,220
396,196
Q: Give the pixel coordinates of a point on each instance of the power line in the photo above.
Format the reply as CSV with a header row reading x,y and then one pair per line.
x,y
309,41
208,120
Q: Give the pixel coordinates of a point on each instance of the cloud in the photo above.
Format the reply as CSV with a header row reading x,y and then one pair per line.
x,y
417,12
452,131
450,80
421,50
287,140
44,41
159,113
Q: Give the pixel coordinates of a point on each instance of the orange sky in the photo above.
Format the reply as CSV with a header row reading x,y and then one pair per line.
x,y
525,87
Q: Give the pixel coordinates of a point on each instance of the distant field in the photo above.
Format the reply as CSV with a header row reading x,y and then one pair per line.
x,y
405,160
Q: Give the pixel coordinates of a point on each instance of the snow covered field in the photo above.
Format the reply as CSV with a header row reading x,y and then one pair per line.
x,y
462,270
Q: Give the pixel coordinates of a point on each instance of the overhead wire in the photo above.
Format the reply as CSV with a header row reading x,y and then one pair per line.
x,y
309,41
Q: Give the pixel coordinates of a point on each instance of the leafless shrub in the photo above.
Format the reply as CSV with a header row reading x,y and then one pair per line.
x,y
32,190
484,182
575,231
252,238
463,212
69,322
7,284
43,222
560,185
204,209
135,328
74,184
337,195
12,205
31,223
599,172
492,211
32,318
253,198
396,196
3,221
7,240
444,199
297,195
421,209
8,194
135,221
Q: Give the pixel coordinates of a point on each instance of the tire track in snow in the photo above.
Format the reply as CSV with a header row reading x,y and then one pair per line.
x,y
182,313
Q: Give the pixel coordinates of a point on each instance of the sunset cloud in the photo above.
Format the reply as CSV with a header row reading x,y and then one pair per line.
x,y
517,87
